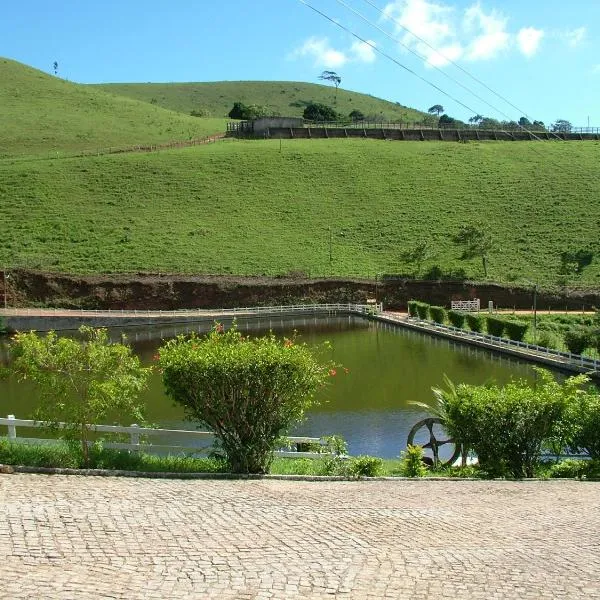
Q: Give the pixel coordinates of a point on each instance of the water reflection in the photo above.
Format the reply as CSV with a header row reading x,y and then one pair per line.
x,y
370,406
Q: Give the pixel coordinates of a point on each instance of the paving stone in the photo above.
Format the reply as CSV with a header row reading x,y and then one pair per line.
x,y
115,538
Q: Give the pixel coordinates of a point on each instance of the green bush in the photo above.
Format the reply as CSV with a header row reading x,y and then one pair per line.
x,y
506,426
412,462
457,318
577,339
495,326
586,420
547,339
438,314
569,468
475,322
248,391
516,330
412,308
366,466
423,310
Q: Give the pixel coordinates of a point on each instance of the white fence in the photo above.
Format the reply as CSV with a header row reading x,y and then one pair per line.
x,y
465,305
565,359
200,442
192,312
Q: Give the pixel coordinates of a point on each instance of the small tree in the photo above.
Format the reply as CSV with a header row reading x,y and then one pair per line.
x,y
562,126
416,255
476,119
55,67
334,78
436,109
80,382
249,391
476,241
357,115
320,112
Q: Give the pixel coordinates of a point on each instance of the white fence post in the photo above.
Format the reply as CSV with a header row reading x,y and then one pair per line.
x,y
12,430
135,437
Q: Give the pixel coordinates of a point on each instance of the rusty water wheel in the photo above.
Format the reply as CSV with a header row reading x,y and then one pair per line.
x,y
433,444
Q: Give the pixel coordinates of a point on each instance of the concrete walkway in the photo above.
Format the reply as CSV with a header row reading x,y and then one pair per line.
x,y
77,537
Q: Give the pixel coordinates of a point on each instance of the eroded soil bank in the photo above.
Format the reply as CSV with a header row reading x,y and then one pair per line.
x,y
171,292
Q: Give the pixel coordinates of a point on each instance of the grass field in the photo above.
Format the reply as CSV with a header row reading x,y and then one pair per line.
x,y
285,98
45,115
244,207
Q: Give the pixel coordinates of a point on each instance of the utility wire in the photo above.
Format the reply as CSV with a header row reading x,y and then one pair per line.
x,y
423,58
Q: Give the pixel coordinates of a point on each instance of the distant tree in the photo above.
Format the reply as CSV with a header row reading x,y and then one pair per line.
x,y
238,111
357,115
446,121
436,109
525,122
476,119
254,111
476,241
320,112
334,78
488,123
574,262
510,125
562,126
416,255
55,67
538,125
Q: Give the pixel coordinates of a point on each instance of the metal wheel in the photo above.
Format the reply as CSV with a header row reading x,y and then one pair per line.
x,y
434,443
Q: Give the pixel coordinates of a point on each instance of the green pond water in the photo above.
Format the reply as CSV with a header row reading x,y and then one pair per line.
x,y
388,366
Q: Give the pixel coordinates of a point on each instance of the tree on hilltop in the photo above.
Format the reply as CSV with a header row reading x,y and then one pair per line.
x,y
55,67
436,109
334,78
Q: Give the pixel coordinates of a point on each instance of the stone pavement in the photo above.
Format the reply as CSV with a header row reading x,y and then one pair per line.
x,y
92,537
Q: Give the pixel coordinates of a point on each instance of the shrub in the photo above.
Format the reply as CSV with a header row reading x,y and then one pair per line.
x,y
475,322
249,391
547,339
506,426
495,326
438,314
569,468
457,318
366,466
412,462
80,382
577,339
516,330
412,308
320,112
586,419
423,310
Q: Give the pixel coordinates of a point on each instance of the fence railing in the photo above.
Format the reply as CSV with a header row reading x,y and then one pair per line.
x,y
190,312
200,442
465,305
564,358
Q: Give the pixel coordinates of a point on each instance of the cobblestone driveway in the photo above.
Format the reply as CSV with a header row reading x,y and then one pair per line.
x,y
78,537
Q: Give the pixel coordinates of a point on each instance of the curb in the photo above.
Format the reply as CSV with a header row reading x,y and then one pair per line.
x,y
12,469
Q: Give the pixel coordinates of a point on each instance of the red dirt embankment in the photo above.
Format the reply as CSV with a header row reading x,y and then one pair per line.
x,y
170,292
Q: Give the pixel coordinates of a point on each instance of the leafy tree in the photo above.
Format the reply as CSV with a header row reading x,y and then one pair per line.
x,y
489,123
357,115
562,126
55,67
249,391
436,109
238,111
476,241
320,112
80,382
476,119
416,255
446,121
334,78
574,262
253,111
538,125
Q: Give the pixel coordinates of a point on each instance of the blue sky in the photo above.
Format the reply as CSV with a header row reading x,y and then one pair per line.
x,y
541,55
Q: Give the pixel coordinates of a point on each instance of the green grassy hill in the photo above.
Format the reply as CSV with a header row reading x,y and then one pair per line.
x,y
285,98
42,114
244,207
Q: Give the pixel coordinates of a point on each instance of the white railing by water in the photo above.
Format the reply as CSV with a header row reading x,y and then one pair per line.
x,y
188,442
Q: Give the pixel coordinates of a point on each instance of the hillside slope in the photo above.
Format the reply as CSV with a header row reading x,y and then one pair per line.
x,y
41,114
285,98
245,207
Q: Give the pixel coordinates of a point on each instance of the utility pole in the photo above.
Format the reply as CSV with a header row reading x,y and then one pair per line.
x,y
4,280
330,246
534,313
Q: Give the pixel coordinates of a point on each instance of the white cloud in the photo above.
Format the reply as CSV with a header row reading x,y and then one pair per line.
x,y
322,53
596,68
474,33
574,37
529,39
491,37
363,51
